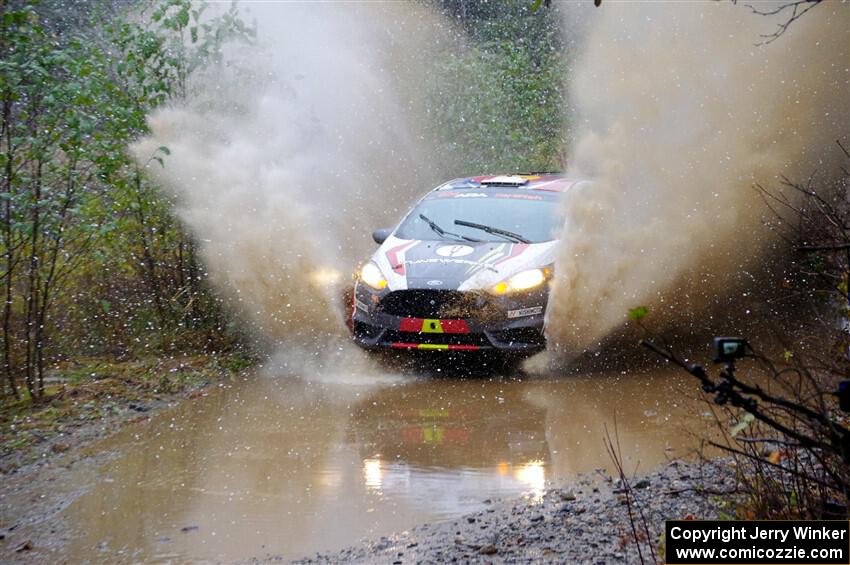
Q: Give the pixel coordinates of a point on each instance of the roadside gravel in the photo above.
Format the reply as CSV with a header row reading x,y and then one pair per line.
x,y
585,523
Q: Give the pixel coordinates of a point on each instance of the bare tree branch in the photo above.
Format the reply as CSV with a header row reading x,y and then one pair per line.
x,y
792,11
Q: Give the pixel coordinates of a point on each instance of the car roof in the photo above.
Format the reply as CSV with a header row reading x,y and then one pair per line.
x,y
549,182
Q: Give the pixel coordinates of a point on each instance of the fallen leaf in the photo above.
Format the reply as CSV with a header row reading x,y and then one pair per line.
x,y
488,550
23,546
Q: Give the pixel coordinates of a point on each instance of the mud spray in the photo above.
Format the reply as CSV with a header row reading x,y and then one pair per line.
x,y
678,113
284,162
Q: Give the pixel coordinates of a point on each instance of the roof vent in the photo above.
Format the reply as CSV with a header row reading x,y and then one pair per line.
x,y
505,180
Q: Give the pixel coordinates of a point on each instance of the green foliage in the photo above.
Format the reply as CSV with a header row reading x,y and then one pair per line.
x,y
499,106
638,314
73,205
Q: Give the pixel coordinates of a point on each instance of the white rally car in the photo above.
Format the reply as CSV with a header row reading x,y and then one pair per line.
x,y
467,269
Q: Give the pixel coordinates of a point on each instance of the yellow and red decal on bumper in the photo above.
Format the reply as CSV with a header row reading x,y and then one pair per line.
x,y
429,326
403,345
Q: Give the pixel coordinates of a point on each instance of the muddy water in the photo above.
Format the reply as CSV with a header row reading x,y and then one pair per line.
x,y
289,467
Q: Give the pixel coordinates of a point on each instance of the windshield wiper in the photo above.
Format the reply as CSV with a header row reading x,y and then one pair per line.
x,y
495,231
433,225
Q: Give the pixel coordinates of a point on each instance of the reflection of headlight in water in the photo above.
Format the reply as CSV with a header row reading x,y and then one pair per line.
x,y
329,480
533,474
373,474
324,276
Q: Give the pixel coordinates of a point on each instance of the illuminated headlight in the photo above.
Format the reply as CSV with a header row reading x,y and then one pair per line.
x,y
524,280
371,275
325,277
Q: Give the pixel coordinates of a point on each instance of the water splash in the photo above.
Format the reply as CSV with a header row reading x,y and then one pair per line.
x,y
283,162
679,114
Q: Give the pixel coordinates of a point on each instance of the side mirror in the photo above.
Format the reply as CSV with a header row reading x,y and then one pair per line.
x,y
381,235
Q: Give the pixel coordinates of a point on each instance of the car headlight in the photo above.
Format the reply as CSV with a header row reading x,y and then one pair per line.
x,y
523,280
372,275
324,276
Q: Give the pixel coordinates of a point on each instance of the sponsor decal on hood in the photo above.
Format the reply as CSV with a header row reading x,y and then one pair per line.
x,y
453,263
450,265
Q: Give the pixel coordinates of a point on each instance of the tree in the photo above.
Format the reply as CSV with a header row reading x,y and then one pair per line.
x,y
501,102
72,100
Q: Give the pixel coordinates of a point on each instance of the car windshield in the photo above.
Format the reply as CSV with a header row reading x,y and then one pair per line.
x,y
533,217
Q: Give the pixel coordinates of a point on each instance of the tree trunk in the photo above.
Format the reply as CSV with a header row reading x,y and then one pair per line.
x,y
147,254
33,285
11,259
194,288
47,286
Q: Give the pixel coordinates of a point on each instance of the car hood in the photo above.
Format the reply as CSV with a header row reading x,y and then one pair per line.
x,y
457,265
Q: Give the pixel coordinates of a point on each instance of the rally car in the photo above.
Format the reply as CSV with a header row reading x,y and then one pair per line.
x,y
467,269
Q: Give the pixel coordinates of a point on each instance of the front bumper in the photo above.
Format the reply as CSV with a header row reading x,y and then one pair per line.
x,y
425,319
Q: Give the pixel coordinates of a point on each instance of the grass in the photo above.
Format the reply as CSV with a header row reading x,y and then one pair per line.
x,y
82,391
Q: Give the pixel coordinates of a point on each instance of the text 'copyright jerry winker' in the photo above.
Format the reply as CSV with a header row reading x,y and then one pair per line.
x,y
804,542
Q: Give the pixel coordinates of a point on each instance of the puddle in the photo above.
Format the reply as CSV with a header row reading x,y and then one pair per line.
x,y
290,467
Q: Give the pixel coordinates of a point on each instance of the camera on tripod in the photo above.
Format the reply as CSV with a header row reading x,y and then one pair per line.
x,y
728,349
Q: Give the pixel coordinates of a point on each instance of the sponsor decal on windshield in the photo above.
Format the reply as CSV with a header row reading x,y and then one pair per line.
x,y
520,196
453,194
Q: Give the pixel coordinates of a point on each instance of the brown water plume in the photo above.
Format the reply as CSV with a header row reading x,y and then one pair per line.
x,y
284,161
679,113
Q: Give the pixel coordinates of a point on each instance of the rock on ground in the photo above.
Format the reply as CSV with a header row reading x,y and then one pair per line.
x,y
586,523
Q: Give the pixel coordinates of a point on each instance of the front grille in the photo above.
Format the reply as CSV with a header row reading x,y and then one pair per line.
x,y
427,303
530,336
366,331
436,338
